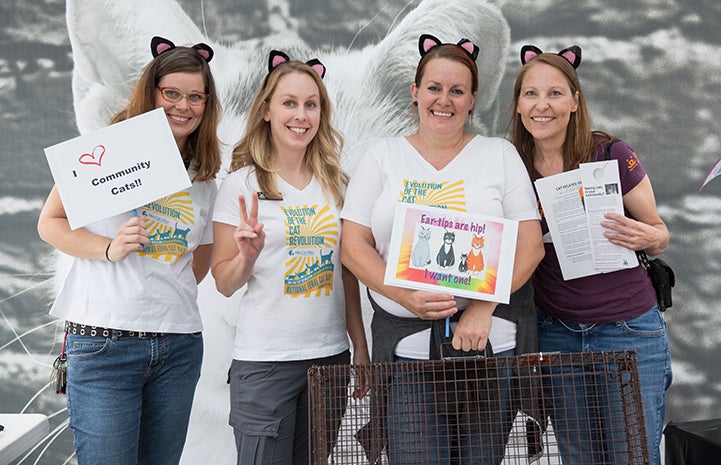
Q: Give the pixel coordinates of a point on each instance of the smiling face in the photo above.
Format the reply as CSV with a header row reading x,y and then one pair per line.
x,y
444,96
293,113
545,103
183,117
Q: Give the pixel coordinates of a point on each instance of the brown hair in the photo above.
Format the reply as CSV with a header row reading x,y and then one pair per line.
x,y
202,149
322,156
450,52
580,142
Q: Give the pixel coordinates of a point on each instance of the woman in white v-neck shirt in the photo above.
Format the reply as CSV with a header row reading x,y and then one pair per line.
x,y
444,166
277,231
134,341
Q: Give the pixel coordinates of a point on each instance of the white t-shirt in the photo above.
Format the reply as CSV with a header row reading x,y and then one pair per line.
x,y
294,305
151,290
487,177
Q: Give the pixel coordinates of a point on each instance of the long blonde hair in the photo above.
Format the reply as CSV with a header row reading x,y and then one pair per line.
x,y
322,156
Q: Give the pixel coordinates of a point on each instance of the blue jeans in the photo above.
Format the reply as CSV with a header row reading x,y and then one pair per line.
x,y
129,398
420,431
647,335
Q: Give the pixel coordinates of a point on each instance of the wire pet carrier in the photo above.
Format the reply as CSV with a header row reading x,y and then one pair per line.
x,y
479,410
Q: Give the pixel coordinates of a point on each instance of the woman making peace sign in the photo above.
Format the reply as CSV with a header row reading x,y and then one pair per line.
x,y
286,248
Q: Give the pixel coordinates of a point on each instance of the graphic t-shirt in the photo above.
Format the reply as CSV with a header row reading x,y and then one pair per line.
x,y
150,290
294,305
487,177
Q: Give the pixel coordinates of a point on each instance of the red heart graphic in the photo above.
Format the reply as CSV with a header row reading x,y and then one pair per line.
x,y
96,158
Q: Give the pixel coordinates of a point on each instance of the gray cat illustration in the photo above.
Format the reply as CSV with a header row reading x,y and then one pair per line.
x,y
421,253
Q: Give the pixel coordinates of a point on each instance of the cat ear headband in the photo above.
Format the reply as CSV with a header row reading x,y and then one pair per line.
x,y
572,54
426,42
160,45
277,58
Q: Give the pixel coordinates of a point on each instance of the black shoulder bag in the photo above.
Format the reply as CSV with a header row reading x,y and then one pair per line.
x,y
660,272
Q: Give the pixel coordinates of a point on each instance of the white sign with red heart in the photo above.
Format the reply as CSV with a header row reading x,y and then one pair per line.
x,y
117,168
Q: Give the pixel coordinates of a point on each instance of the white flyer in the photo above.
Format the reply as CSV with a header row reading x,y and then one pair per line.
x,y
562,203
602,194
117,168
573,206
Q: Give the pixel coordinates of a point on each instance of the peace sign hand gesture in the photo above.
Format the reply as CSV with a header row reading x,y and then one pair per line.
x,y
249,235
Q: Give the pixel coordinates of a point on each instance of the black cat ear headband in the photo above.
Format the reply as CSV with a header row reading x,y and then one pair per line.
x,y
160,45
426,42
277,58
572,54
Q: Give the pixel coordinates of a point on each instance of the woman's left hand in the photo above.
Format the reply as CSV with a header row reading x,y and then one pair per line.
x,y
362,374
474,326
629,233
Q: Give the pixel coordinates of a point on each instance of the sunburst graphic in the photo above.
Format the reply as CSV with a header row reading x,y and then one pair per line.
x,y
319,232
450,196
179,202
166,216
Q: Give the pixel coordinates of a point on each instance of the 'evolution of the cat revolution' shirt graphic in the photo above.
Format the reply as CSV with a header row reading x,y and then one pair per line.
x,y
449,195
168,222
311,234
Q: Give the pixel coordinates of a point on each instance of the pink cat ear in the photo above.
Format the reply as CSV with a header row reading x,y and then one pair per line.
x,y
159,45
470,48
427,42
204,51
572,54
528,53
317,66
276,58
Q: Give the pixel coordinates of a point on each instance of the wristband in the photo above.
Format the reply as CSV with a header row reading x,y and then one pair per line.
x,y
107,251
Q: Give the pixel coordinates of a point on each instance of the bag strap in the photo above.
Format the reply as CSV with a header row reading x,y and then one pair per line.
x,y
608,148
643,258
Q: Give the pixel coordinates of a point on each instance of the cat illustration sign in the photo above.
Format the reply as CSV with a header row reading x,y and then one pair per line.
x,y
442,250
117,168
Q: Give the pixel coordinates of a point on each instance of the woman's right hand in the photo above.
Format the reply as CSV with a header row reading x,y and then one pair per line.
x,y
235,248
131,237
428,305
358,253
249,235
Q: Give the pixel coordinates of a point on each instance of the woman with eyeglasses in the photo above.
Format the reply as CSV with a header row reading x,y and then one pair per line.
x,y
133,328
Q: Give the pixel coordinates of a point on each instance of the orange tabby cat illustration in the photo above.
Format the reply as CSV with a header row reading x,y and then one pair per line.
x,y
474,261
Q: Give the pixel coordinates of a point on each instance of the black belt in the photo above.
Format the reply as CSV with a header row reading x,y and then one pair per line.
x,y
88,330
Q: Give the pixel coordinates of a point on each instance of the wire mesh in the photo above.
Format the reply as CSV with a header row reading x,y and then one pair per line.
x,y
578,408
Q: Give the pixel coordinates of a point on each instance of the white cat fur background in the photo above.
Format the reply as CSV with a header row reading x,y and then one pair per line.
x,y
370,89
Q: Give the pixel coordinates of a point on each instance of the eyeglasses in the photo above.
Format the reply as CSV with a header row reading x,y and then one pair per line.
x,y
174,95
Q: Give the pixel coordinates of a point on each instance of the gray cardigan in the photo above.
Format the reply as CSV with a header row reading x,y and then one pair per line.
x,y
387,330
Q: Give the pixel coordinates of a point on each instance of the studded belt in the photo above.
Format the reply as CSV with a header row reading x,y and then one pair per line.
x,y
88,330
